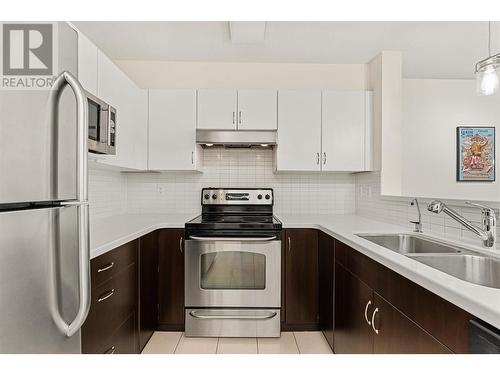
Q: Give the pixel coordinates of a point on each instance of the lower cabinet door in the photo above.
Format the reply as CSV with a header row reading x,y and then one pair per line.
x,y
353,308
148,287
301,279
394,333
171,279
326,263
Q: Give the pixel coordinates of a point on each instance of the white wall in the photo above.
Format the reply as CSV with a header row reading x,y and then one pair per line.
x,y
165,74
384,77
432,110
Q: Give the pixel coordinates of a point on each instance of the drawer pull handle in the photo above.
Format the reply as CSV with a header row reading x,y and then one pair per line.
x,y
180,244
107,267
373,321
110,350
106,295
366,312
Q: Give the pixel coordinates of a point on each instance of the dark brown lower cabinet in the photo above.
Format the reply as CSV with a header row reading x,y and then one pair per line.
x,y
171,279
380,311
352,333
399,335
112,319
326,269
123,340
148,287
366,323
301,281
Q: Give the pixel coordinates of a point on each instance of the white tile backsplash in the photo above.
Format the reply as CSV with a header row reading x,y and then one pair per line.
x,y
294,192
397,210
112,192
107,191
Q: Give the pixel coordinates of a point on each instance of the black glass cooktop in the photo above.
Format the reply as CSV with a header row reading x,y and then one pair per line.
x,y
235,219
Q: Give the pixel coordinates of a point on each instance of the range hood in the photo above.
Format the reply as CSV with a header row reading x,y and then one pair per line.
x,y
236,138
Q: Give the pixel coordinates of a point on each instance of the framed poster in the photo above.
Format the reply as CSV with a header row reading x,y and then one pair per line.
x,y
476,153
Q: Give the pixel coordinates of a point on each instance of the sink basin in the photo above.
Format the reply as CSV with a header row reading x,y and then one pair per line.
x,y
410,244
476,269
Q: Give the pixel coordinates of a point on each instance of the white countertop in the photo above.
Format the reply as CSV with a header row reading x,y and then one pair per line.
x,y
113,231
483,302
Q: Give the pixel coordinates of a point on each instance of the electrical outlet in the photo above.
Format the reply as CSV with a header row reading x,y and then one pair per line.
x,y
161,189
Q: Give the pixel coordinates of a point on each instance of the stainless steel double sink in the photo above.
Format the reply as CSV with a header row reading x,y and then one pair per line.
x,y
471,266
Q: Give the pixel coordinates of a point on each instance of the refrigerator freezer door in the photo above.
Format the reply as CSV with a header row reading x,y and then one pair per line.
x,y
38,264
26,143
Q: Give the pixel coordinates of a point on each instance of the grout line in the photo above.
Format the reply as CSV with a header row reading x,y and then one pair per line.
x,y
296,343
178,342
217,346
257,342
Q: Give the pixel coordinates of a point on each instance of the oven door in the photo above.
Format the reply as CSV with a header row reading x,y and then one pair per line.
x,y
233,272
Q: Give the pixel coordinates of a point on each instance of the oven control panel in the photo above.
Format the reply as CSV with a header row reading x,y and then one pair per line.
x,y
218,196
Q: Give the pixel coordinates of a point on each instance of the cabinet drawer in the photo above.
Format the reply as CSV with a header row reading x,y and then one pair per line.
x,y
111,304
109,264
123,341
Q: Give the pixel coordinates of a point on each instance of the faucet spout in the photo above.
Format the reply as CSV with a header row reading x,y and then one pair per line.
x,y
487,233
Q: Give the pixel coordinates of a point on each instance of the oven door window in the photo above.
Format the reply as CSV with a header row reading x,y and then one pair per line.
x,y
233,270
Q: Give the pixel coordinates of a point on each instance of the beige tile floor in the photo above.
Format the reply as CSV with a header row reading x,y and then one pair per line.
x,y
288,343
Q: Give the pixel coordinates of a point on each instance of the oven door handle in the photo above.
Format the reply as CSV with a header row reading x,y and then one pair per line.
x,y
197,315
236,239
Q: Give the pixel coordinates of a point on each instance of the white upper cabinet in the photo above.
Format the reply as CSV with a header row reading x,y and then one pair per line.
x,y
299,131
217,109
257,110
172,130
346,131
87,64
115,88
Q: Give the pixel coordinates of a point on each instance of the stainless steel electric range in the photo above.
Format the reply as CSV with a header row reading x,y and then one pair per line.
x,y
233,265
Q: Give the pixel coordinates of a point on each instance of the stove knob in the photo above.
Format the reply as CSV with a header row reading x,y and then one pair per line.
x,y
206,196
259,196
214,196
268,196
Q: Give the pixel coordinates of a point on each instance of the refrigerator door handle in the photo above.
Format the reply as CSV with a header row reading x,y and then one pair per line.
x,y
83,276
66,78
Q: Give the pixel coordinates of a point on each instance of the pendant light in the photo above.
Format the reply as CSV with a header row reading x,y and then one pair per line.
x,y
486,71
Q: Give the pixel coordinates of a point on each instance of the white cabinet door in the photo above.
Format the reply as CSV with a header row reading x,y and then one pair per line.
x,y
115,88
217,109
172,130
87,64
344,131
257,110
299,131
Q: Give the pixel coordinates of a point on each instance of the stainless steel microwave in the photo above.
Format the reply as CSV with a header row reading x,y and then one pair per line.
x,y
102,126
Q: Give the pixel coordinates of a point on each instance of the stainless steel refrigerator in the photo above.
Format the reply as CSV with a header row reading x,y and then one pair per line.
x,y
44,235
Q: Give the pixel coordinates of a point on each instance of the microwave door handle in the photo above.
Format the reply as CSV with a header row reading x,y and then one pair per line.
x,y
235,239
81,204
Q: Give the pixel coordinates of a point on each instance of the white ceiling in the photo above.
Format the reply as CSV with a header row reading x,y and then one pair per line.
x,y
430,49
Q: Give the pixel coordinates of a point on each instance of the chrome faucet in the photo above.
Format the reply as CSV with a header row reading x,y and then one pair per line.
x,y
488,232
418,223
